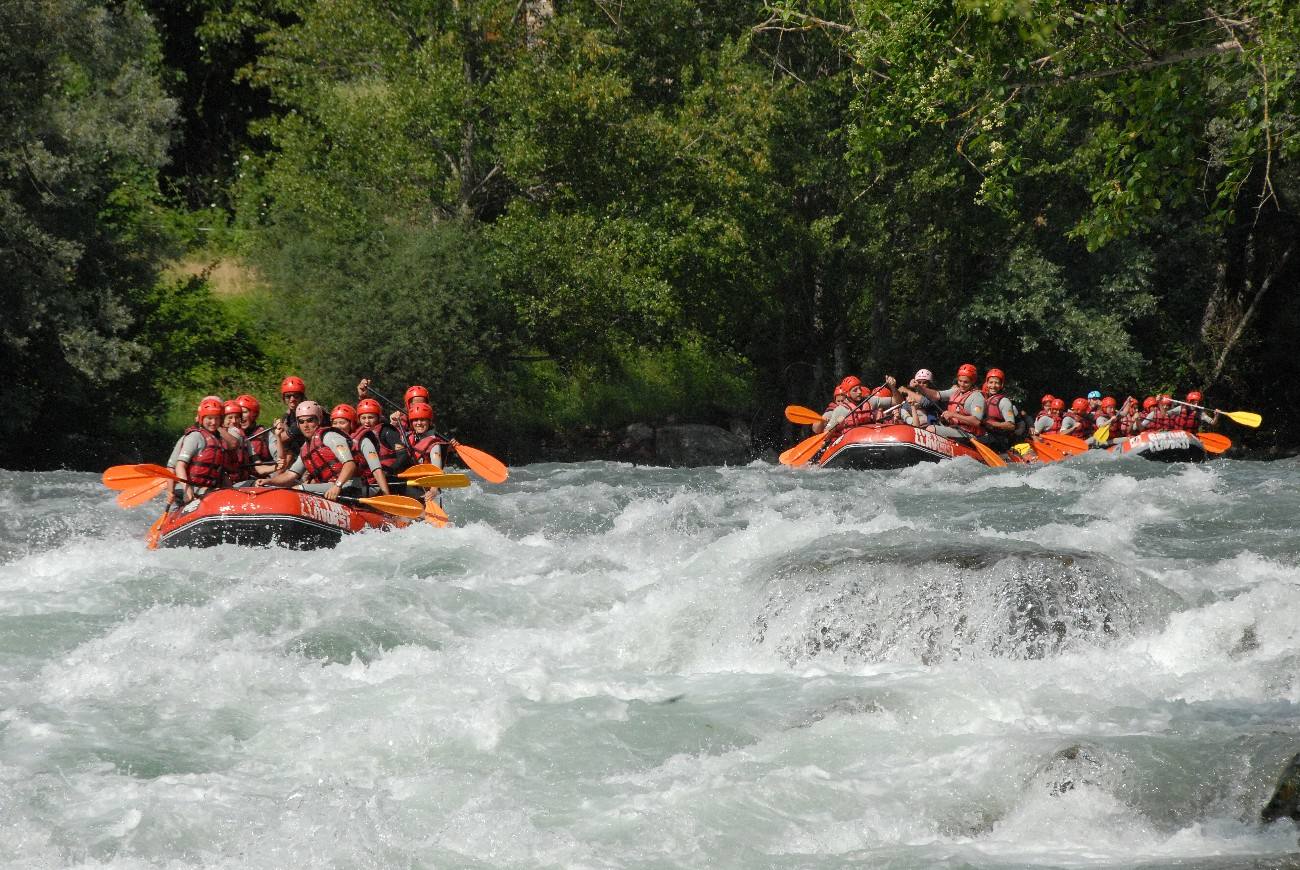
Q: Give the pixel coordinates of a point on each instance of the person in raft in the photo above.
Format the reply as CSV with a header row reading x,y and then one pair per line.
x,y
423,446
262,447
390,443
201,458
1190,419
838,400
292,391
964,416
325,464
999,413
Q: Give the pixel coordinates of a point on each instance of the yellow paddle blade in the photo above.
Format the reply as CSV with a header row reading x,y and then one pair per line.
x,y
1102,435
990,458
1022,448
134,497
397,505
1245,418
802,415
419,471
800,453
485,465
1214,442
441,481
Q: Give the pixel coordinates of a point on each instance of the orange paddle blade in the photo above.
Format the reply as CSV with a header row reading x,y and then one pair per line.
x,y
1046,451
153,488
990,458
803,451
1214,442
121,477
1069,444
802,415
419,471
397,505
485,465
436,515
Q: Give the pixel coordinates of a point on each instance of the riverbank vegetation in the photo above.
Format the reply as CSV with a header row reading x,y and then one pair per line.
x,y
568,216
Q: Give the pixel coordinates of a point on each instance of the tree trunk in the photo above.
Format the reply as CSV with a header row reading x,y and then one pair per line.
x,y
1252,308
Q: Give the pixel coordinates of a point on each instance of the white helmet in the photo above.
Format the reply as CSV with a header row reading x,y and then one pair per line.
x,y
308,408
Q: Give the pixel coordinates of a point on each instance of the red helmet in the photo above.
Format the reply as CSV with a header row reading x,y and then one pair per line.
x,y
1195,397
420,412
1047,399
838,391
369,406
995,373
346,411
251,403
1108,402
232,407
210,408
884,392
1148,403
1165,400
850,382
292,384
1058,404
1079,405
413,391
969,370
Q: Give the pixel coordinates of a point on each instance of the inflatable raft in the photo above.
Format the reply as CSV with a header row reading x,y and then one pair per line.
x,y
890,445
257,517
1163,446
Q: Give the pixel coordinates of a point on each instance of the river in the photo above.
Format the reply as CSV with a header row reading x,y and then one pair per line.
x,y
1094,663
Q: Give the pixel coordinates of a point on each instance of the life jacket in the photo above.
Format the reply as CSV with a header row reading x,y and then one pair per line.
x,y
1186,420
206,466
1161,423
957,404
296,439
1056,421
259,448
320,462
238,462
392,461
419,450
1086,425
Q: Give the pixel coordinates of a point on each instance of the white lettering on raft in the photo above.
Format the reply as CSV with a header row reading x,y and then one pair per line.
x,y
324,511
931,441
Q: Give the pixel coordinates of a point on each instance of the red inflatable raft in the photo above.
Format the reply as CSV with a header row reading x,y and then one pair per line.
x,y
262,517
890,445
1163,446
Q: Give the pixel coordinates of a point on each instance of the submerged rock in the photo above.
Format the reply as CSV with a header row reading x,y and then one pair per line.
x,y
935,604
1285,803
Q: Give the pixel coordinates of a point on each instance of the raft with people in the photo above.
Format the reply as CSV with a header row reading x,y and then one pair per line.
x,y
305,481
895,425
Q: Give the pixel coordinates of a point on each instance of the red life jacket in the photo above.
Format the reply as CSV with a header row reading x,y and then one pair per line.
x,y
1056,421
320,462
420,450
359,435
993,409
259,448
238,462
1086,425
206,466
957,404
1161,423
1186,420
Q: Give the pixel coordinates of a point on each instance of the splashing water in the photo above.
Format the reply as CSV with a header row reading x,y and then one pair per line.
x,y
1093,663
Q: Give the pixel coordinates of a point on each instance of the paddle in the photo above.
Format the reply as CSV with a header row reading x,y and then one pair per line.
x,y
803,451
1245,418
1214,442
415,471
802,415
1046,451
122,477
990,458
1102,435
484,464
441,481
1068,444
134,497
435,514
397,505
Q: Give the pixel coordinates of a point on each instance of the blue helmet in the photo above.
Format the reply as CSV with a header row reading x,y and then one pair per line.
x,y
1094,395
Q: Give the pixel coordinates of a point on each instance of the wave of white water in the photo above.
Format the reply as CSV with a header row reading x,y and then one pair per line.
x,y
1093,664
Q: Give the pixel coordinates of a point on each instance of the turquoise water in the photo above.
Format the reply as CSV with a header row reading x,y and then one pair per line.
x,y
1089,664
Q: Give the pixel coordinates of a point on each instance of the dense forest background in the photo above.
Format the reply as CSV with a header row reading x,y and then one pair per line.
x,y
567,215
